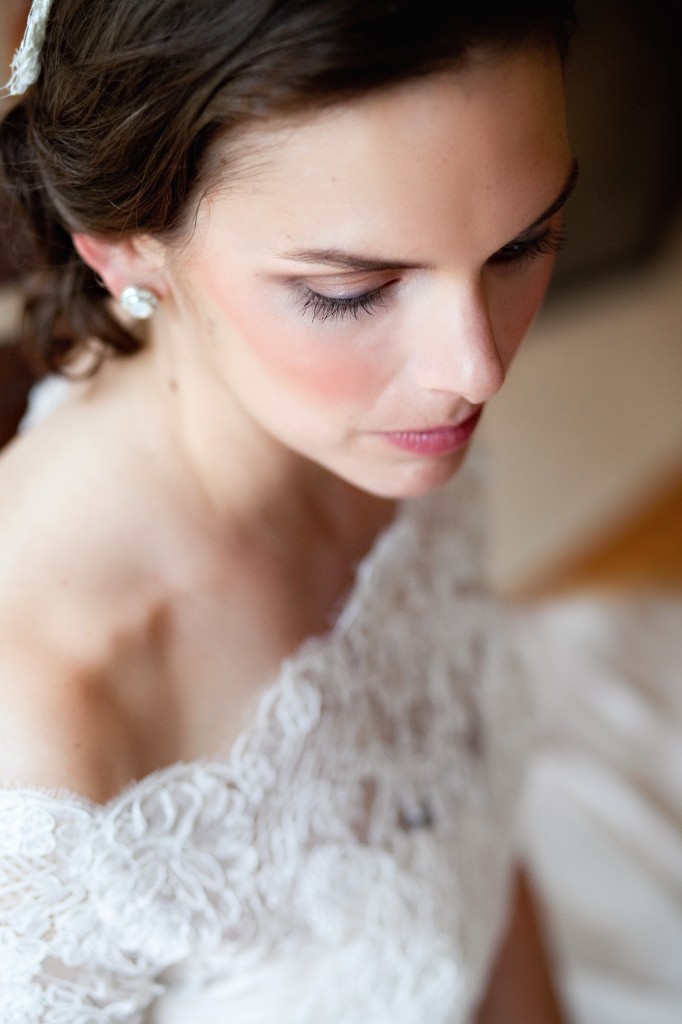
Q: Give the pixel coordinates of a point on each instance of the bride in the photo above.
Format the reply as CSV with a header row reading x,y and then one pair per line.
x,y
261,740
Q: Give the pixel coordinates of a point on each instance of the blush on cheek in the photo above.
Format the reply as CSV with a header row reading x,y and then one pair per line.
x,y
263,346
331,376
317,370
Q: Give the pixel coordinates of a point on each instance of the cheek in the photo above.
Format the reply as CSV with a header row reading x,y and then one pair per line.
x,y
333,377
514,301
312,369
271,352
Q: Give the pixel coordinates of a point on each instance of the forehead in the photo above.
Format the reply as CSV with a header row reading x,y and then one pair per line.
x,y
484,144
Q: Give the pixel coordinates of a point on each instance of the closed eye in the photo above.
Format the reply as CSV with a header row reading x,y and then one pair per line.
x,y
548,243
332,307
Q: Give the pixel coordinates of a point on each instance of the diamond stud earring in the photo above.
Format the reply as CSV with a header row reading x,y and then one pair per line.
x,y
140,303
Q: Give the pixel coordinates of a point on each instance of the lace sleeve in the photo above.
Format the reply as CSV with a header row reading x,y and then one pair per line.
x,y
59,961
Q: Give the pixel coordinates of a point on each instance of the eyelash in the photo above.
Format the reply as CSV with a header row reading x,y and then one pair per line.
x,y
547,244
327,307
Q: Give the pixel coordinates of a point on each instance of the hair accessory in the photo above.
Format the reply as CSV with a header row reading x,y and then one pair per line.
x,y
25,66
139,303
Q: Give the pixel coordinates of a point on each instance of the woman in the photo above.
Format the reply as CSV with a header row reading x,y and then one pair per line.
x,y
261,738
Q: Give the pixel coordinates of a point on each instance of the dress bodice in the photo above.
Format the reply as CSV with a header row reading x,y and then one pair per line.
x,y
344,862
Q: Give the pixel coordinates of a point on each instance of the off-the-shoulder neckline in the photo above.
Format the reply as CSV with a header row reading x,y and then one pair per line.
x,y
224,759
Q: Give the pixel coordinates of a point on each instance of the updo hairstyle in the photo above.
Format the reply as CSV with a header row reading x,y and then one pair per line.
x,y
116,136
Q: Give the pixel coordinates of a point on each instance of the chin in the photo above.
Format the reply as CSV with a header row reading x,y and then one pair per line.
x,y
413,478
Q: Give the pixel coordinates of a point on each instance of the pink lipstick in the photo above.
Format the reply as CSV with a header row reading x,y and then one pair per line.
x,y
441,440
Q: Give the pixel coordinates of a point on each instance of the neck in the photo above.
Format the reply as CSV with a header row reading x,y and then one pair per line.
x,y
229,473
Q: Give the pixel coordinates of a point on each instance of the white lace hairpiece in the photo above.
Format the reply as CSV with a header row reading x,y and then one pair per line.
x,y
25,66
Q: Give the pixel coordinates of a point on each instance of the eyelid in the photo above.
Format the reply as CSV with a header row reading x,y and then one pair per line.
x,y
327,307
346,286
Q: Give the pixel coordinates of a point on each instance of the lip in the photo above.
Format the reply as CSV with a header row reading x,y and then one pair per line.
x,y
441,440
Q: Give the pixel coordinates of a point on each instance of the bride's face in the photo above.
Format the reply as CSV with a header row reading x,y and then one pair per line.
x,y
359,294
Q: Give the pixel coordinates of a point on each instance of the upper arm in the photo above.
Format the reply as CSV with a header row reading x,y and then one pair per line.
x,y
522,986
59,727
69,588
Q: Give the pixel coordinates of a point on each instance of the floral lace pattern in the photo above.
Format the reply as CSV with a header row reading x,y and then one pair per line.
x,y
363,821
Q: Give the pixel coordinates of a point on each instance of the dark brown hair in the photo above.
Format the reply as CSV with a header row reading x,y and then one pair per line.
x,y
113,139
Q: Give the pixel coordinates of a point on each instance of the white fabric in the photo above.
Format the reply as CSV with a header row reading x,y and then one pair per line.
x,y
26,62
602,817
52,392
346,862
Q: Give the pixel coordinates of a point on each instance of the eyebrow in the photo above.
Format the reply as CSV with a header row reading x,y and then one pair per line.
x,y
350,261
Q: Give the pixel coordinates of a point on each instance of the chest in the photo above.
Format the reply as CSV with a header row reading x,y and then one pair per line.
x,y
188,674
362,810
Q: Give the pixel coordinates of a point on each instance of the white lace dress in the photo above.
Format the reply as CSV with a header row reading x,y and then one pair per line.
x,y
345,862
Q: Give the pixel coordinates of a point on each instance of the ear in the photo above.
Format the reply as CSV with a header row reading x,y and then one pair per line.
x,y
137,260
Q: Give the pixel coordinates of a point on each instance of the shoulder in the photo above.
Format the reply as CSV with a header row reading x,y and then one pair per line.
x,y
60,727
65,722
74,522
58,561
67,597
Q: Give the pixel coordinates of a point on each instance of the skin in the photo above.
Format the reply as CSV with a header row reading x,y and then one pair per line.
x,y
215,492
387,179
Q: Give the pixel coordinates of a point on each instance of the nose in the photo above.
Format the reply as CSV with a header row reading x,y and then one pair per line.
x,y
457,350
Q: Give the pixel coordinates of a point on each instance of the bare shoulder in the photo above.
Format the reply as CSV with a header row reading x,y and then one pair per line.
x,y
59,728
53,544
115,615
62,723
